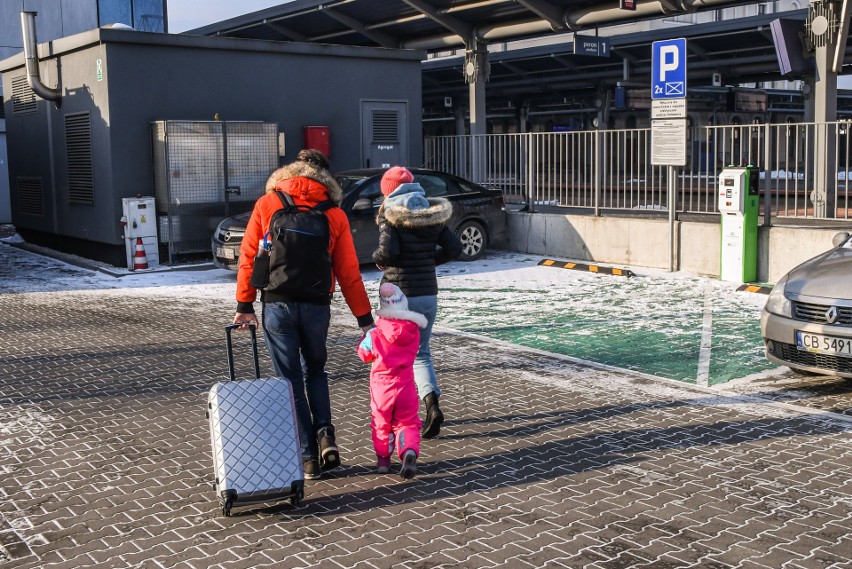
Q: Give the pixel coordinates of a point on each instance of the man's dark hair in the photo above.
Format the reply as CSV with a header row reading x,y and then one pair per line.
x,y
313,157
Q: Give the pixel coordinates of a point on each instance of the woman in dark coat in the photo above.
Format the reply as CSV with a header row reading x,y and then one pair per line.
x,y
413,240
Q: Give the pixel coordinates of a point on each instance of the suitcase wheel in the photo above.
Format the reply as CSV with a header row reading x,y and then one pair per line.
x,y
226,508
296,498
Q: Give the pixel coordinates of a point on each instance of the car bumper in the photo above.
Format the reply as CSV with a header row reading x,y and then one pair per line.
x,y
779,341
225,256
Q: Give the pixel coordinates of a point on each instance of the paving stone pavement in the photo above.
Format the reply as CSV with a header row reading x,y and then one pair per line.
x,y
544,462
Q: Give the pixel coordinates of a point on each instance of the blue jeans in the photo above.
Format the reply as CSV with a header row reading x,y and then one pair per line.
x,y
424,371
296,334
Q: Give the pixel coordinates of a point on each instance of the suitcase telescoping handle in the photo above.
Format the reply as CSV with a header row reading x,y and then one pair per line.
x,y
252,326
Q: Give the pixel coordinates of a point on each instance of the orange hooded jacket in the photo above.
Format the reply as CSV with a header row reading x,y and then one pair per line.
x,y
307,186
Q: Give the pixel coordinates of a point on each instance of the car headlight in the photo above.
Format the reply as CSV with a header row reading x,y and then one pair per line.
x,y
777,303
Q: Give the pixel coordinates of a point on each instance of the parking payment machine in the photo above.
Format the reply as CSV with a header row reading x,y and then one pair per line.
x,y
738,206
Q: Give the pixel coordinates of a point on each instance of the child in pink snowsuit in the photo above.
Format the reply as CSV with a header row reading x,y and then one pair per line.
x,y
391,346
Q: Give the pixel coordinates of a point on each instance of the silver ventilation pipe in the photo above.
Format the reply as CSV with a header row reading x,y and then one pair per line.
x,y
31,56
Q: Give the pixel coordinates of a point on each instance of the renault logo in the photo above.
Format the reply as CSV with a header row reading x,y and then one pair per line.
x,y
831,315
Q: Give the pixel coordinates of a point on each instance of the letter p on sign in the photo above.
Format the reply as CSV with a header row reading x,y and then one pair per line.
x,y
669,57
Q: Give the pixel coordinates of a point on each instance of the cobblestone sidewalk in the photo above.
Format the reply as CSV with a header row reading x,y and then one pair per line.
x,y
544,462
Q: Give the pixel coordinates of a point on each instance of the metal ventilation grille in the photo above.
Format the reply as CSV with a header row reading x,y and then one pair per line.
x,y
30,196
385,127
23,98
78,149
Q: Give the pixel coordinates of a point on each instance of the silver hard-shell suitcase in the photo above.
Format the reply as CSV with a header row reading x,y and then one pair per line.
x,y
256,452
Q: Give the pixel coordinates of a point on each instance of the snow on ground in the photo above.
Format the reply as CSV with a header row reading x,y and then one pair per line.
x,y
618,321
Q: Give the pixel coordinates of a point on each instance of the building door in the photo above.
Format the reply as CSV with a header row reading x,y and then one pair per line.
x,y
384,133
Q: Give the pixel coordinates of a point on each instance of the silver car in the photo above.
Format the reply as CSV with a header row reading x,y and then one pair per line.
x,y
807,321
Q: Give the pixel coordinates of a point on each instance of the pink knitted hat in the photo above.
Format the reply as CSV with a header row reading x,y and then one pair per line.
x,y
394,177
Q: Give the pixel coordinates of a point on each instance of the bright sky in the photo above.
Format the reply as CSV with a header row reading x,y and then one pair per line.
x,y
188,14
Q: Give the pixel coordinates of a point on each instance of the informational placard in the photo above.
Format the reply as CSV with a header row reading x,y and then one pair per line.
x,y
668,142
668,109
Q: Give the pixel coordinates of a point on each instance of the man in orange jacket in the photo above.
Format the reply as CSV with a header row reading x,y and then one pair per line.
x,y
295,330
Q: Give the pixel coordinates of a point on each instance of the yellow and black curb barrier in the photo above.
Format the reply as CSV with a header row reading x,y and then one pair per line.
x,y
755,288
589,268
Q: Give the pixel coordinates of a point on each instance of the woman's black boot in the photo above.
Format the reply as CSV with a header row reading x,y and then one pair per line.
x,y
434,417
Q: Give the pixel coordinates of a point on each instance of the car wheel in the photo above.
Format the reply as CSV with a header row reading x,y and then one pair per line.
x,y
473,239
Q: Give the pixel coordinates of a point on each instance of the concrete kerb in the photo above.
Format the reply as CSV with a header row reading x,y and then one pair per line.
x,y
606,270
93,265
717,392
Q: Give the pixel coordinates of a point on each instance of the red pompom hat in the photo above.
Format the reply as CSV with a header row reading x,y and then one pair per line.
x,y
394,177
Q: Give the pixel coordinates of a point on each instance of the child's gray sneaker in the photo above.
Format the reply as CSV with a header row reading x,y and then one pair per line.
x,y
409,464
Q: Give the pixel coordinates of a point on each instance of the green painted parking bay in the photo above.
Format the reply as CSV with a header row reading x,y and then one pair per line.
x,y
678,326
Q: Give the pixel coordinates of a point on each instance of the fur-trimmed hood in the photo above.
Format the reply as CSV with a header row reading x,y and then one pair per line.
x,y
300,169
409,207
400,328
390,314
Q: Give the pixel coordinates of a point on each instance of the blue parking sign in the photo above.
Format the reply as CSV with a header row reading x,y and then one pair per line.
x,y
668,69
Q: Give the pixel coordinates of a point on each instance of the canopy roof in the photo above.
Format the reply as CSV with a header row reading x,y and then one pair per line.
x,y
435,25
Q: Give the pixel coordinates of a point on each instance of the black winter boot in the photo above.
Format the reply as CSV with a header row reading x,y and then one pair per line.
x,y
329,456
434,417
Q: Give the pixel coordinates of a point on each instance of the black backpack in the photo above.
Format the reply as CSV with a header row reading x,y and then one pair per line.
x,y
299,260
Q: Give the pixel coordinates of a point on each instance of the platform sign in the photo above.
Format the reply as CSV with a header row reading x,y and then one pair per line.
x,y
668,69
591,45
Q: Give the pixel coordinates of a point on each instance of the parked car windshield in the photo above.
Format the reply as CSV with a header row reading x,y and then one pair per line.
x,y
349,183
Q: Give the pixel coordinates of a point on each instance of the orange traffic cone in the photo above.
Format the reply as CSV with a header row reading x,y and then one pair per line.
x,y
140,261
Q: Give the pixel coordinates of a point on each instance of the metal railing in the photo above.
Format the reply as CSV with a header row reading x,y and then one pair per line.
x,y
612,170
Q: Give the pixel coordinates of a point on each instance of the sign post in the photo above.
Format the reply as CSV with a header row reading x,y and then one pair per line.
x,y
668,119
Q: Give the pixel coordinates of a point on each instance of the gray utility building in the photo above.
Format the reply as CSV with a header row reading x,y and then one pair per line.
x,y
73,160
65,18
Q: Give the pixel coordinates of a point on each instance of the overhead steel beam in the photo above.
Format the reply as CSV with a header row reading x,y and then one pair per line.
x,y
513,68
606,13
286,32
564,61
456,26
840,47
548,12
381,38
696,49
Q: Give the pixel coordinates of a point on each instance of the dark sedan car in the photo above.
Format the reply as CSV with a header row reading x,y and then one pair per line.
x,y
479,215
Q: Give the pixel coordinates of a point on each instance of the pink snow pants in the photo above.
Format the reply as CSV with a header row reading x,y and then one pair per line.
x,y
395,423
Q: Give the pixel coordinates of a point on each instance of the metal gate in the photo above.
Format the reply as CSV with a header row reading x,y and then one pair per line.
x,y
205,171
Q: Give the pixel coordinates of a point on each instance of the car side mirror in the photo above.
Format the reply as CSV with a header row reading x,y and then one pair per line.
x,y
363,204
839,239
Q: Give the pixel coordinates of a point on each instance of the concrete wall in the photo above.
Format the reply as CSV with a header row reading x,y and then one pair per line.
x,y
642,242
